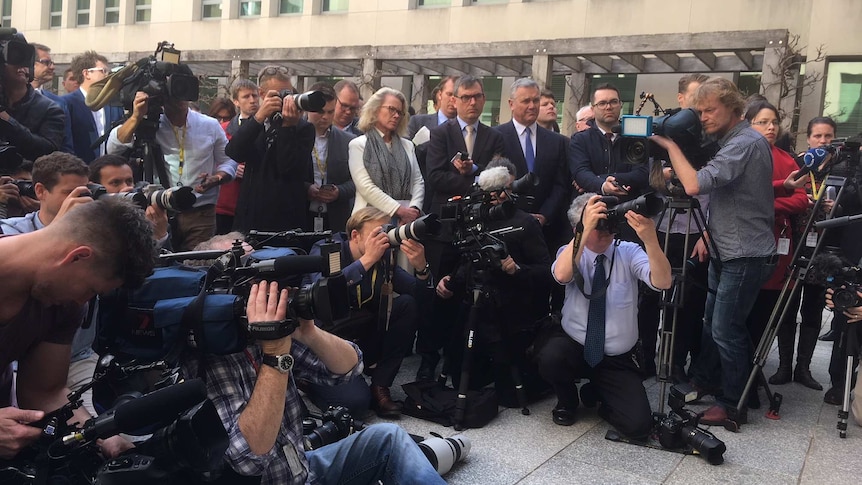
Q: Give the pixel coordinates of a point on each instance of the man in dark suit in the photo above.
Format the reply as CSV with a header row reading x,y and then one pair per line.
x,y
88,126
478,143
278,160
347,107
43,74
444,103
330,190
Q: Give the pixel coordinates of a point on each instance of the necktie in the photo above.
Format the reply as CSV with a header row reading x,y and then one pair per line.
x,y
469,139
594,343
528,152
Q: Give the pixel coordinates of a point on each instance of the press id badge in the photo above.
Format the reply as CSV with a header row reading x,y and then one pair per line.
x,y
318,224
783,246
811,239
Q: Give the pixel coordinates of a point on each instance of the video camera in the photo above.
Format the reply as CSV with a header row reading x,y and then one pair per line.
x,y
679,429
829,269
160,78
682,126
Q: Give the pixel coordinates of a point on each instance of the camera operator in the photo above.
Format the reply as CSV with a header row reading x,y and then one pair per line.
x,y
115,174
12,202
98,245
519,287
367,265
34,124
741,215
601,329
194,152
852,315
277,157
256,397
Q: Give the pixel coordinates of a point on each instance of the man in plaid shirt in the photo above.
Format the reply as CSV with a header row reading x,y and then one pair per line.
x,y
256,398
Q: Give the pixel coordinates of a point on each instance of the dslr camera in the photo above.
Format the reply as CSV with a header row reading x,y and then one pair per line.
x,y
336,424
647,205
312,101
829,269
679,429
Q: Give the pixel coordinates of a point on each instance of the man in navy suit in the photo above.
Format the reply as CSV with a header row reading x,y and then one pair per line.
x,y
43,75
88,126
330,189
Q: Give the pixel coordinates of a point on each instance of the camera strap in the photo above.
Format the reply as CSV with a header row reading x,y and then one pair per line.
x,y
386,293
578,277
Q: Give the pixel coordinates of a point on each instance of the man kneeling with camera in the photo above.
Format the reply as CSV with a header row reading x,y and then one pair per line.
x,y
255,394
600,315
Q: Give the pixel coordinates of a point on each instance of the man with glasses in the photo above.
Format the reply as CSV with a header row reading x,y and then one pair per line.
x,y
43,75
595,154
88,126
276,151
347,107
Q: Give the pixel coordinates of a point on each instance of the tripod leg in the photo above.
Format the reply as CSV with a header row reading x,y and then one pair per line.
x,y
844,413
467,362
519,390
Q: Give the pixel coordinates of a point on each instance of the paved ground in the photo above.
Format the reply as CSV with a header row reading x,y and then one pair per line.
x,y
802,447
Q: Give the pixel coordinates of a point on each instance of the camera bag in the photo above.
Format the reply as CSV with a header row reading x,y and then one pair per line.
x,y
432,401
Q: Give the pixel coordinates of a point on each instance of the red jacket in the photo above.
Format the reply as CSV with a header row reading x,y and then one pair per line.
x,y
229,192
787,203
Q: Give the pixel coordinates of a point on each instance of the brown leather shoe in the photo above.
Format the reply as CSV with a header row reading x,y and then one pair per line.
x,y
382,403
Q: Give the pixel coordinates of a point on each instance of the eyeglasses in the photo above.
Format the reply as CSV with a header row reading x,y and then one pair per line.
x,y
98,69
348,107
466,98
605,104
223,118
45,62
393,110
774,123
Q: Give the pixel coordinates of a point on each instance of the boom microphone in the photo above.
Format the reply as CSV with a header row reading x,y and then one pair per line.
x,y
158,407
289,265
838,221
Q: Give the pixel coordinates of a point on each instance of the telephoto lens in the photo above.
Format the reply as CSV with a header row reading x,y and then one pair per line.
x,y
443,453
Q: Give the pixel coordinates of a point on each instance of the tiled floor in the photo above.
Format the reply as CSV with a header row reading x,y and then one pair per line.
x,y
802,447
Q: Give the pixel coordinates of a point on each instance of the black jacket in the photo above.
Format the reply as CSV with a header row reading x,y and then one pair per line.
x,y
277,164
590,163
36,127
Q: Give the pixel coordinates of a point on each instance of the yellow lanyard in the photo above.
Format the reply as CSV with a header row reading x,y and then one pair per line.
x,y
359,289
182,144
321,164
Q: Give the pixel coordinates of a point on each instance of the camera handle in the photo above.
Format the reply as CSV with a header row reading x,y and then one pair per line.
x,y
674,297
796,273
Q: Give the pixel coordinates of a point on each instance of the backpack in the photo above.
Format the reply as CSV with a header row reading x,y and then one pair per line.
x,y
432,401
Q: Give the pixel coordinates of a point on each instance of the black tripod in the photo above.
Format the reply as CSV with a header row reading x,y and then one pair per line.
x,y
674,297
797,271
479,254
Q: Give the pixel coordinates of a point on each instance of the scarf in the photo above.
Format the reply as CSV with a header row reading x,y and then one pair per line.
x,y
389,170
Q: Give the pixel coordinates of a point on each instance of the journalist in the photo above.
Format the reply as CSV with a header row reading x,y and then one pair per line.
x,y
100,245
741,216
366,260
256,397
600,317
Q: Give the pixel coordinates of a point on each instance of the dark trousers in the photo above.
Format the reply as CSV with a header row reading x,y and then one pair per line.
x,y
616,379
436,326
192,227
224,223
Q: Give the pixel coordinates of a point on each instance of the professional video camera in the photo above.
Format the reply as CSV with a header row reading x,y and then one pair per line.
x,y
682,126
160,78
14,50
647,205
829,269
679,429
335,424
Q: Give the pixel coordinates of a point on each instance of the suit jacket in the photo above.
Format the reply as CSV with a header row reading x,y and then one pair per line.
x,y
67,136
416,122
446,141
552,193
83,126
590,163
338,174
272,196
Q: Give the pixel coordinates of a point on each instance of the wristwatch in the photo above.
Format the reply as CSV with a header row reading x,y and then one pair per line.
x,y
282,363
424,270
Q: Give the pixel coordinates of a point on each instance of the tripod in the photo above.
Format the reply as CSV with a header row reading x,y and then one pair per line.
x,y
674,297
798,270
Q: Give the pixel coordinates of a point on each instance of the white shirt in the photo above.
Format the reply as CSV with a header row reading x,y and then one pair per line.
x,y
203,141
630,264
521,130
99,119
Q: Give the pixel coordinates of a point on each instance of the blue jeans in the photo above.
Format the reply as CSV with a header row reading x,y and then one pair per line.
x,y
382,452
726,348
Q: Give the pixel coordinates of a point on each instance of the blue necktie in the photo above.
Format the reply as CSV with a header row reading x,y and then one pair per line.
x,y
528,152
594,343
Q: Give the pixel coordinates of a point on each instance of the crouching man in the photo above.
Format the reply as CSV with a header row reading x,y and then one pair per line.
x,y
600,317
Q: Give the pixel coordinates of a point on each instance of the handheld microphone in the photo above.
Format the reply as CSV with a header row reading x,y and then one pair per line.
x,y
158,407
812,160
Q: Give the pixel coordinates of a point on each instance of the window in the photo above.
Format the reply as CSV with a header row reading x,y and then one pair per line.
x,y
249,8
211,9
335,5
6,18
112,12
843,99
56,13
289,6
434,3
143,10
82,14
490,1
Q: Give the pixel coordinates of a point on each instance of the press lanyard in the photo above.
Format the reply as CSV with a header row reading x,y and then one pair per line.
x,y
321,165
182,143
359,289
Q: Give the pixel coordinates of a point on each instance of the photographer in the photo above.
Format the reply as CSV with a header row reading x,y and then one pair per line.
x,y
100,245
741,215
34,124
367,265
256,397
601,327
12,202
194,152
278,159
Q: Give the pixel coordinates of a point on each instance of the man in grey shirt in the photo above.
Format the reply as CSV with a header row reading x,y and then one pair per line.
x,y
739,181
